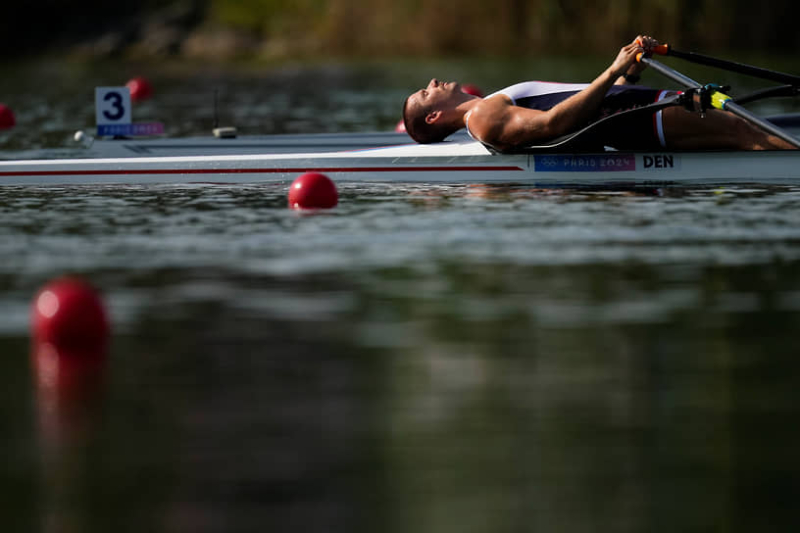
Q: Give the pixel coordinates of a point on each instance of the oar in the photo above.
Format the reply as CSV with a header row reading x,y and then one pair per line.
x,y
769,92
720,100
741,68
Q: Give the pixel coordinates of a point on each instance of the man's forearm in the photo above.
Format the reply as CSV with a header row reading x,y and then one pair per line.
x,y
580,108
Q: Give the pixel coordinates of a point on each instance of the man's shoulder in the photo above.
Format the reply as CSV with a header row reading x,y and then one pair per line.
x,y
490,107
494,108
487,118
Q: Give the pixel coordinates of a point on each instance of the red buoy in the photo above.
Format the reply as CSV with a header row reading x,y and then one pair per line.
x,y
313,190
474,90
140,89
400,127
7,120
69,314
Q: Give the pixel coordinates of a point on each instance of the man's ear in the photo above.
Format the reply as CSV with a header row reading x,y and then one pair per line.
x,y
433,116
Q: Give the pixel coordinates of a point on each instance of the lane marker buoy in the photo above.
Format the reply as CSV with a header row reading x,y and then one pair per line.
x,y
313,190
7,120
69,314
472,89
140,89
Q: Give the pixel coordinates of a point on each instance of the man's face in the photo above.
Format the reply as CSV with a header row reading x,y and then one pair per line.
x,y
437,95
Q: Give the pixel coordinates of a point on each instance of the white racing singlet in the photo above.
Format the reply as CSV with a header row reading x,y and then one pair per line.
x,y
544,95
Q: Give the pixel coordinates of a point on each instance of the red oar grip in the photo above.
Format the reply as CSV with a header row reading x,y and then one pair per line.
x,y
661,49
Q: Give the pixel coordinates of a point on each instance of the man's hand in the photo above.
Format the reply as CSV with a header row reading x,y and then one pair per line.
x,y
647,43
625,59
643,44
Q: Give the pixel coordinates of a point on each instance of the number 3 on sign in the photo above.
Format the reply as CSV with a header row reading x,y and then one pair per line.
x,y
112,105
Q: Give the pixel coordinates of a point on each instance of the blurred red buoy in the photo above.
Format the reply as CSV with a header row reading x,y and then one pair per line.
x,y
69,314
7,119
474,90
313,190
140,89
400,127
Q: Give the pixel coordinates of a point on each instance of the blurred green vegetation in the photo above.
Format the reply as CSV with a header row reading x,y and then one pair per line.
x,y
404,27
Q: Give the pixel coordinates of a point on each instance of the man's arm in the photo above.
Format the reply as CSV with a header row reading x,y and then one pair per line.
x,y
504,126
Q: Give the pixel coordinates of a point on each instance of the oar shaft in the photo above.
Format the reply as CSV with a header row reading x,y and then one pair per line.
x,y
674,75
724,103
733,66
770,128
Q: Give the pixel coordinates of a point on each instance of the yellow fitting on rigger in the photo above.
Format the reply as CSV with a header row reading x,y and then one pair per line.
x,y
718,100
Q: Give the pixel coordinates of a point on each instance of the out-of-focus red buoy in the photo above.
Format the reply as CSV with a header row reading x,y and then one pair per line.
x,y
69,314
474,90
400,127
313,190
7,120
140,89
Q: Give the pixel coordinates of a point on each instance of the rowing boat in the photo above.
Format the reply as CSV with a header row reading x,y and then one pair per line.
x,y
393,157
458,160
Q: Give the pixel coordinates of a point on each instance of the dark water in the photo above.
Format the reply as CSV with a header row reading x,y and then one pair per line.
x,y
421,358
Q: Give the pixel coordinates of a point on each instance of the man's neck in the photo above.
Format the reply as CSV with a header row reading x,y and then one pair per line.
x,y
464,108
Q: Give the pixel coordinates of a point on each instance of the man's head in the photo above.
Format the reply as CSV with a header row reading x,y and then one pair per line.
x,y
431,114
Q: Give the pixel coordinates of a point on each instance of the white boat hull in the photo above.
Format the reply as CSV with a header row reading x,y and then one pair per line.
x,y
458,161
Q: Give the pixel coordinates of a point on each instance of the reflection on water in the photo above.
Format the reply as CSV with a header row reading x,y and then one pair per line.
x,y
427,358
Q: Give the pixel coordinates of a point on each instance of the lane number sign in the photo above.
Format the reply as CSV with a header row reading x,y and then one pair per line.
x,y
112,106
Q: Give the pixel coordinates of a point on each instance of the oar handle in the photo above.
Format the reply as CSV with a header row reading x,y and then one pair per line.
x,y
661,49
